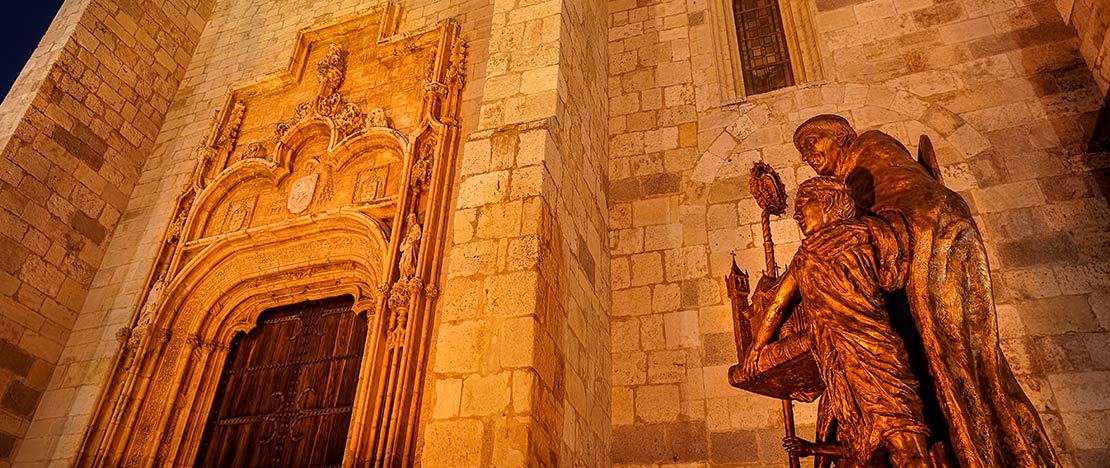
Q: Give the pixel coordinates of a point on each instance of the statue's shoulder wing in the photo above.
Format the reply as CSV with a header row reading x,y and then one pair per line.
x,y
928,158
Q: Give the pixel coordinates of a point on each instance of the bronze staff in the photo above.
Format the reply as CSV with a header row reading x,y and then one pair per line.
x,y
770,194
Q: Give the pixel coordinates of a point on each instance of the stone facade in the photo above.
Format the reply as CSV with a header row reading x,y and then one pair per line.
x,y
521,361
547,223
75,132
600,193
1002,90
1091,19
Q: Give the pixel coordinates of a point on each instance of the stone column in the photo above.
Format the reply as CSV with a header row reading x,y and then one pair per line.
x,y
75,131
519,371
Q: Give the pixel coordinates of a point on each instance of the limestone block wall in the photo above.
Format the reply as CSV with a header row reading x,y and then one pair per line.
x,y
75,131
1002,90
580,208
1091,18
520,365
241,41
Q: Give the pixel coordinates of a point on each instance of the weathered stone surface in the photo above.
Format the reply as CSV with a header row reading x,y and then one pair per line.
x,y
733,447
15,359
686,441
1086,391
454,443
657,403
486,395
20,399
638,444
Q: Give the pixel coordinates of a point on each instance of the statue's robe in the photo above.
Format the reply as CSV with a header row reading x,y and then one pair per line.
x,y
990,421
870,392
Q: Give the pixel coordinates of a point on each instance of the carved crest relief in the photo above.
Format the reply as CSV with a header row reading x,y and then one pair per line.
x,y
371,184
239,214
301,192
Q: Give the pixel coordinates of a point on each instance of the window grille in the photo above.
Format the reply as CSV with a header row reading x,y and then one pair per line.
x,y
764,58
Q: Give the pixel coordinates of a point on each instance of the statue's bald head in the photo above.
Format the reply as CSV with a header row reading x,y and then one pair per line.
x,y
822,140
835,124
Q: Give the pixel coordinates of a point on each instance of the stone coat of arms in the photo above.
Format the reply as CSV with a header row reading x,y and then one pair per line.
x,y
300,194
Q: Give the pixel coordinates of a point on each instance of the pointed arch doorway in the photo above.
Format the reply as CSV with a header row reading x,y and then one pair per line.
x,y
287,390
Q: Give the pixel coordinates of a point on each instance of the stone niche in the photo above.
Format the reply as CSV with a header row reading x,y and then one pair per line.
x,y
328,179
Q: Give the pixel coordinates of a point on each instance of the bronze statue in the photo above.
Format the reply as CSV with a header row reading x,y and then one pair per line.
x,y
933,266
870,393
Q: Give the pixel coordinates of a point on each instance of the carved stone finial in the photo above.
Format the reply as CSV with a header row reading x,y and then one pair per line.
x,y
332,70
422,169
456,74
254,150
377,118
329,105
178,225
206,156
123,334
349,119
435,88
230,133
281,128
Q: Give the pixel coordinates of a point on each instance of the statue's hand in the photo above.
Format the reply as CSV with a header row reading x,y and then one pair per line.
x,y
836,239
798,447
751,363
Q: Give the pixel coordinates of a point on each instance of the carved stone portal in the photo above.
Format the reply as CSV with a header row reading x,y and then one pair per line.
x,y
298,199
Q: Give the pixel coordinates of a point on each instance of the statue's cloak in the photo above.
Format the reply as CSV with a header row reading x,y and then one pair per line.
x,y
990,421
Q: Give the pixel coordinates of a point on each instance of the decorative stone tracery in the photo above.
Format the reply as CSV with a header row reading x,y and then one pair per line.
x,y
329,200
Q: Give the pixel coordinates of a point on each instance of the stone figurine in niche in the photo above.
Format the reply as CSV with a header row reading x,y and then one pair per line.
x,y
938,296
407,263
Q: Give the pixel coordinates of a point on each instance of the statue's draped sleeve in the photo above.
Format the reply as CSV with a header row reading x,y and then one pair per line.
x,y
889,239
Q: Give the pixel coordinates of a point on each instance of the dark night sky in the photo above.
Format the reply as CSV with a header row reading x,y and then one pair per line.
x,y
21,28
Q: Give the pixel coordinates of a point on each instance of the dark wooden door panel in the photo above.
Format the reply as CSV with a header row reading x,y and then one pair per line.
x,y
285,396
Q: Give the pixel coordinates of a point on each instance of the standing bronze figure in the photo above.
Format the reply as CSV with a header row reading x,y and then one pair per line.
x,y
870,393
931,263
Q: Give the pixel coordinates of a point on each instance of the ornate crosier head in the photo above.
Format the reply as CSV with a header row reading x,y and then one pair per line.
x,y
768,189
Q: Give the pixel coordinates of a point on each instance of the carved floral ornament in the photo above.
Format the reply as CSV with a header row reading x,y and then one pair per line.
x,y
338,198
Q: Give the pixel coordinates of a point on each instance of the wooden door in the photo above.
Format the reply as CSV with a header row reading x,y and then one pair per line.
x,y
285,396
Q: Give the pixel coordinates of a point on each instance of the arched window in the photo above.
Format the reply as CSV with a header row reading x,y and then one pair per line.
x,y
764,58
763,45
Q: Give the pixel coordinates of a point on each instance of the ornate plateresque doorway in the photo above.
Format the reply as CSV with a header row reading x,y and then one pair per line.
x,y
304,189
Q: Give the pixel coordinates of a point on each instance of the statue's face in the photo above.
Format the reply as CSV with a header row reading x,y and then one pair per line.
x,y
811,215
820,149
